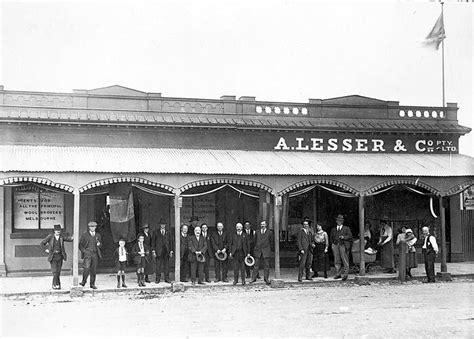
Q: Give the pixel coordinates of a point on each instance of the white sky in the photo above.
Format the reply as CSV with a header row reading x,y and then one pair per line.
x,y
274,50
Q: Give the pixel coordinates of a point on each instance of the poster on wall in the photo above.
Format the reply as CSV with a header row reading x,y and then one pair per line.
x,y
203,208
38,211
468,198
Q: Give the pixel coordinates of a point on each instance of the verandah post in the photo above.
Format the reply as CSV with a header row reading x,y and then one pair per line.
x,y
75,244
177,235
361,235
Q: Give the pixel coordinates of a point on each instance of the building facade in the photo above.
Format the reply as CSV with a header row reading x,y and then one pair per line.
x,y
69,158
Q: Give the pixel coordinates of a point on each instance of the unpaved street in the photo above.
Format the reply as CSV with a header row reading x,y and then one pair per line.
x,y
379,310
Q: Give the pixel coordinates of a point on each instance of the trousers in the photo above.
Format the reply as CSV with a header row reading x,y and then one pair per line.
x,y
340,255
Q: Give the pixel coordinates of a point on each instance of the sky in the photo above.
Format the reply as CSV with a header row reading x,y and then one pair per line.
x,y
274,50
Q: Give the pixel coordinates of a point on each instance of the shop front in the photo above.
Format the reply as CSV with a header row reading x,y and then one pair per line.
x,y
125,158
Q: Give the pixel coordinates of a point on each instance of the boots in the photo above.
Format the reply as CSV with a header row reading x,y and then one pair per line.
x,y
139,279
325,274
118,281
123,281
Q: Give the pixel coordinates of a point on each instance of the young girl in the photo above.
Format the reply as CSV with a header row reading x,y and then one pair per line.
x,y
141,254
120,256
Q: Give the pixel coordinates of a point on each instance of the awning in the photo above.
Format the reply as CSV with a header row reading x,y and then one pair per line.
x,y
26,158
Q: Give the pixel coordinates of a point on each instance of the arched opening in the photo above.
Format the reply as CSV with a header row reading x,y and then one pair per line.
x,y
121,206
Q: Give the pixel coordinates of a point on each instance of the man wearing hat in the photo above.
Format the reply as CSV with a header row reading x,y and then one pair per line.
x,y
220,245
340,243
149,241
89,245
162,250
197,247
386,246
53,244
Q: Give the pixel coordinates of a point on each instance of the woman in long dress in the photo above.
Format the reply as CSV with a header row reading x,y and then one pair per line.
x,y
386,246
410,240
320,252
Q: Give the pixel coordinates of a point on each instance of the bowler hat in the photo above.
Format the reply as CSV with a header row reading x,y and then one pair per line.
x,y
249,261
92,224
384,219
162,221
221,256
145,226
57,227
340,217
193,219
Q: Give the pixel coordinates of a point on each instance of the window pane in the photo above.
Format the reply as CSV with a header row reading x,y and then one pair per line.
x,y
52,210
25,210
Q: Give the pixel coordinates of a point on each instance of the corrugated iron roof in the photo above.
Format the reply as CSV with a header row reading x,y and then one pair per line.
x,y
24,158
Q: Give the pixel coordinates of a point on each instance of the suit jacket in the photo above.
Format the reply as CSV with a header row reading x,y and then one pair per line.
x,y
194,246
149,239
184,247
304,241
219,242
116,255
48,243
87,241
209,251
345,232
263,243
239,243
136,250
162,244
250,240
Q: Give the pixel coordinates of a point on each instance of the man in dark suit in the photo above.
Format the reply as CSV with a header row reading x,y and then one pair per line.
x,y
89,245
220,244
341,242
250,234
208,255
184,268
197,246
239,249
149,241
263,248
162,251
53,244
304,248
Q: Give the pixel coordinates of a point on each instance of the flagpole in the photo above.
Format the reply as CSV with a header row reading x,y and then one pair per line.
x,y
442,56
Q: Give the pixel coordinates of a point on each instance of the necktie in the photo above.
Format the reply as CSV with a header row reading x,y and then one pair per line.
x,y
220,233
162,232
248,232
263,231
240,233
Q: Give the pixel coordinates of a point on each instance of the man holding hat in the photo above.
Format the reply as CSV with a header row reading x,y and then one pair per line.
x,y
197,247
89,245
340,243
208,254
239,249
220,245
53,244
262,251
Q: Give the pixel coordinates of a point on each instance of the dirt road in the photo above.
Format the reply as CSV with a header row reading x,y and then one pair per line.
x,y
378,310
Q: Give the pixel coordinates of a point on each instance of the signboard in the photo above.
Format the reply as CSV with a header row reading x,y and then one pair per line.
x,y
468,198
202,207
366,144
33,210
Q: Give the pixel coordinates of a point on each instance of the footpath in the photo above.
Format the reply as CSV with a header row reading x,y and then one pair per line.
x,y
22,287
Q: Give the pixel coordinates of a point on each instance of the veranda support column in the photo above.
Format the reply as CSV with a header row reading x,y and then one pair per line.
x,y
442,217
75,244
276,230
177,237
443,275
361,235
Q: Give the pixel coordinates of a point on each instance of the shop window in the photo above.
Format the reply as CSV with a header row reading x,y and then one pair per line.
x,y
35,208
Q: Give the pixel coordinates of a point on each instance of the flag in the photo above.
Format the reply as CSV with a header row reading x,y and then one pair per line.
x,y
437,34
122,215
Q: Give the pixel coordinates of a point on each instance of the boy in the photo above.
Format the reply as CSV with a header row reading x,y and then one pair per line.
x,y
120,256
